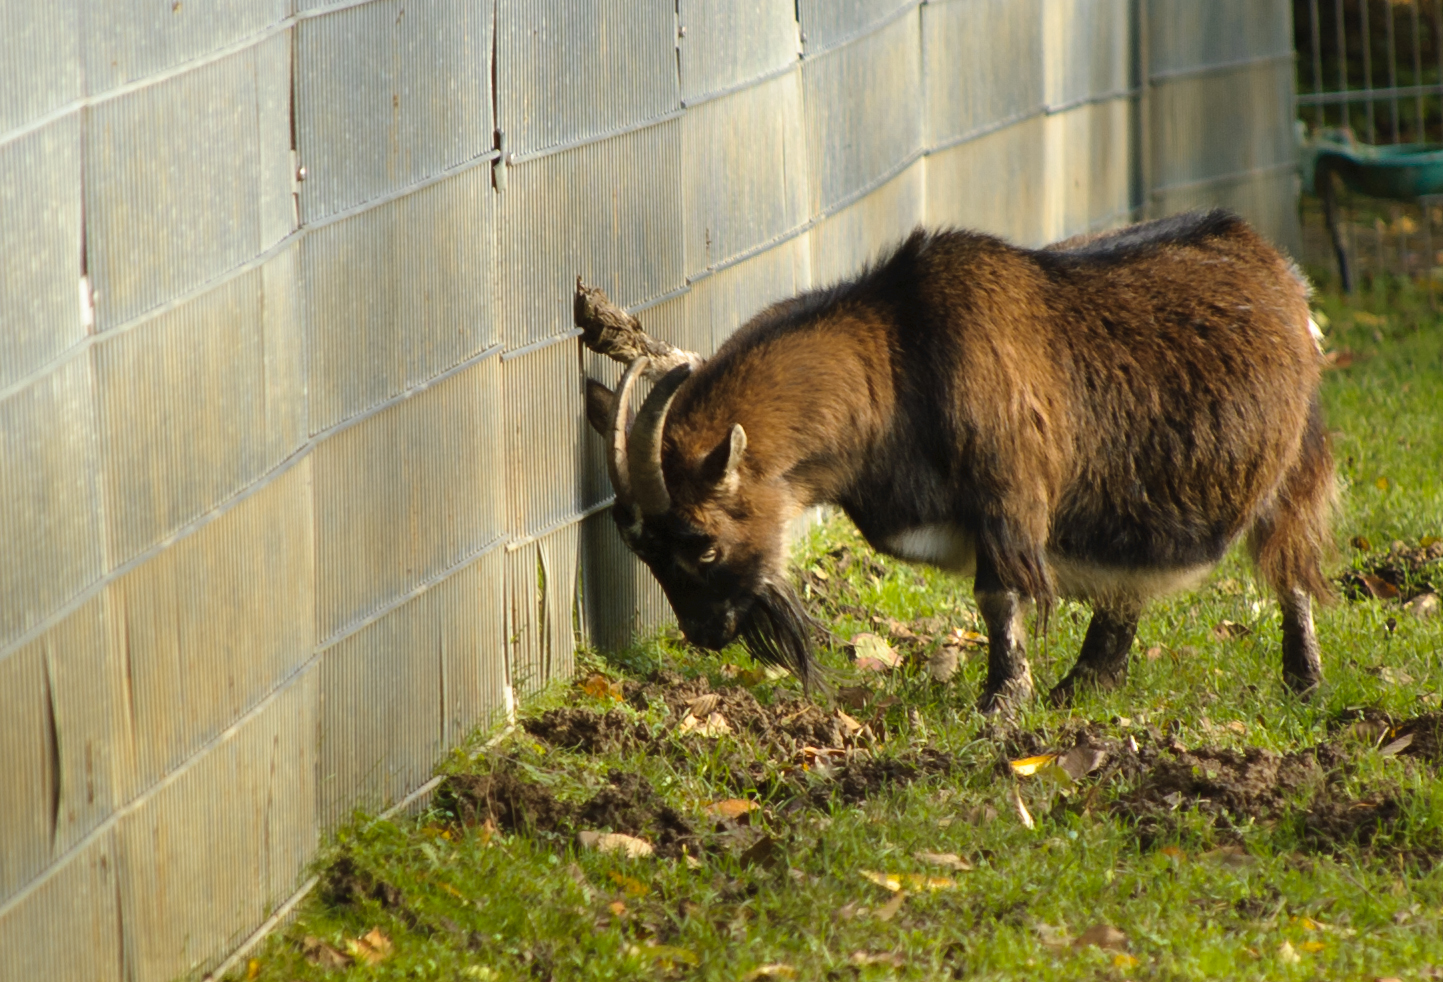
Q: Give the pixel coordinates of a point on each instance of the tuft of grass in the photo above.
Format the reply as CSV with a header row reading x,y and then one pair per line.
x,y
1200,889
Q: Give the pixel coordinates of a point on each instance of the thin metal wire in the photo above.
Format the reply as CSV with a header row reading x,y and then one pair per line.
x,y
1366,13
1422,134
1392,69
1322,113
1342,62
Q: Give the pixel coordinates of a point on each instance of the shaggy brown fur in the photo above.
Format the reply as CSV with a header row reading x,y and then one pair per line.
x,y
1099,419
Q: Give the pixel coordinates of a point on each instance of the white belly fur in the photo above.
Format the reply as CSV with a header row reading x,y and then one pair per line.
x,y
948,547
943,545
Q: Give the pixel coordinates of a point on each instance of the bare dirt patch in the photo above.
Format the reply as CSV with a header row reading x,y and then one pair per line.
x,y
588,731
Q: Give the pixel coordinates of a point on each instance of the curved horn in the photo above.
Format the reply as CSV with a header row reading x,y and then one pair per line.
x,y
616,451
644,452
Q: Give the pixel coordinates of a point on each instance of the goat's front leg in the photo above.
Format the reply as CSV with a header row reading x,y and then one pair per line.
x,y
1009,679
1102,663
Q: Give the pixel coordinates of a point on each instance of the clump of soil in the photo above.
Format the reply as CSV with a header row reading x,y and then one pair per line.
x,y
588,731
1331,821
629,804
510,802
1230,785
1401,573
347,883
514,803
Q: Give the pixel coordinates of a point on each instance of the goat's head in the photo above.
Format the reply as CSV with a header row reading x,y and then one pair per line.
x,y
716,543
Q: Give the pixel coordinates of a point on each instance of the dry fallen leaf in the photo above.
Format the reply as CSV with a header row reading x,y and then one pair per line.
x,y
873,653
714,725
776,970
630,885
371,947
1379,587
1397,746
1173,852
1423,606
667,955
608,842
617,908
1234,856
854,696
948,859
1381,484
730,808
889,910
763,852
1154,653
1125,961
1081,761
1313,947
892,958
1287,955
942,663
849,725
1022,812
1228,630
320,953
599,687
1028,766
963,638
1103,936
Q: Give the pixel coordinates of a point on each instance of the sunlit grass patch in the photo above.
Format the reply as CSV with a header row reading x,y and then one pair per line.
x,y
1219,827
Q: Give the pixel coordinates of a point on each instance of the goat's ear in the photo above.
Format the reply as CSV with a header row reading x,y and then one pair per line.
x,y
598,405
722,465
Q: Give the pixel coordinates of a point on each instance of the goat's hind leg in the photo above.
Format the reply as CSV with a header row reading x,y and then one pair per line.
x,y
1302,658
1102,662
1288,544
1009,678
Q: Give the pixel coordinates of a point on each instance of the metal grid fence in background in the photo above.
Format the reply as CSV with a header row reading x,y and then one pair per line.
x,y
295,484
1375,69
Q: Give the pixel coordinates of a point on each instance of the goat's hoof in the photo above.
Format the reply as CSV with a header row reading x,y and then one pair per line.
x,y
1304,686
1078,680
1005,698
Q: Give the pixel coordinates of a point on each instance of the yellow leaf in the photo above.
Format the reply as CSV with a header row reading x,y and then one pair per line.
x,y
891,881
371,947
617,908
599,687
1173,852
451,890
253,969
1022,812
1428,540
1381,484
668,953
630,884
1313,946
1125,961
776,970
1028,766
732,808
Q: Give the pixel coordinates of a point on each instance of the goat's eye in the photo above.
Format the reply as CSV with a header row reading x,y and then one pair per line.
x,y
709,556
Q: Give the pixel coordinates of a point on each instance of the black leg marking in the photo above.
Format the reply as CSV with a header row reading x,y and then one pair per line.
x,y
1302,659
1009,679
1102,662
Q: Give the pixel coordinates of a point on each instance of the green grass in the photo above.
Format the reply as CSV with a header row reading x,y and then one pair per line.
x,y
476,905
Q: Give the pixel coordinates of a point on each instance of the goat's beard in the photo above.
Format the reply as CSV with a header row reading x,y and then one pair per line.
x,y
778,631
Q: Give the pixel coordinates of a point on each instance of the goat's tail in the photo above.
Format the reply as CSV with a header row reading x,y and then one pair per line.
x,y
1291,539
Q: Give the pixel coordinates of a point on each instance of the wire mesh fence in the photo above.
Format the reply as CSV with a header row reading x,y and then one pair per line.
x,y
295,485
1370,76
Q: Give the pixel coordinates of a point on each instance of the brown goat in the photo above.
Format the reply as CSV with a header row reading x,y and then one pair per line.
x,y
1100,419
